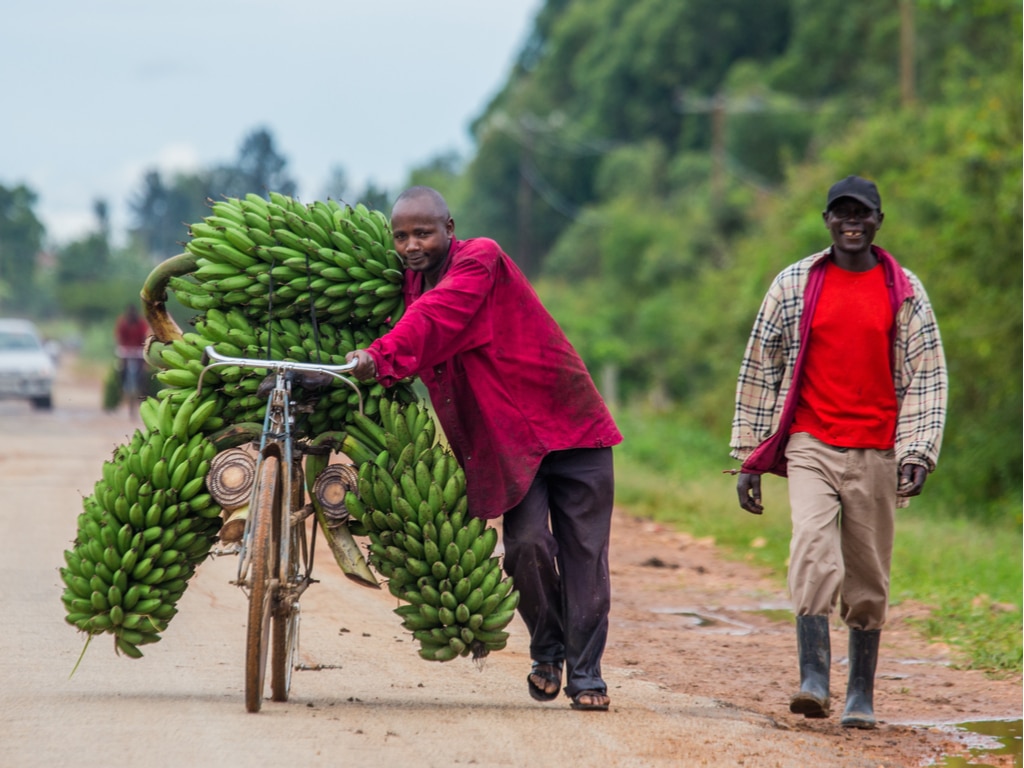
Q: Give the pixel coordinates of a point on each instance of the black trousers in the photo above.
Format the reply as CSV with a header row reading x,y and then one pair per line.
x,y
556,551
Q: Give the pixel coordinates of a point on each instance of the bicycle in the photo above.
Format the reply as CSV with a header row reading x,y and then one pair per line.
x,y
275,553
132,370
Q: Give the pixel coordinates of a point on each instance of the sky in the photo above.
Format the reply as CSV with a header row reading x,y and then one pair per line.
x,y
96,94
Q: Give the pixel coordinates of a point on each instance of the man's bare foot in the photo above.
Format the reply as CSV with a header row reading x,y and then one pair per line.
x,y
545,679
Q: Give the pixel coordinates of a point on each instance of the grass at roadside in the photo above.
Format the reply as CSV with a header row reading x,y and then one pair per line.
x,y
969,574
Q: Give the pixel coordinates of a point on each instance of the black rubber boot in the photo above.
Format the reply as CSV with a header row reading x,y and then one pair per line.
x,y
860,691
815,653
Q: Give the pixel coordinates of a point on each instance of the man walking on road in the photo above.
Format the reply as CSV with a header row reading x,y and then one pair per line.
x,y
843,390
526,423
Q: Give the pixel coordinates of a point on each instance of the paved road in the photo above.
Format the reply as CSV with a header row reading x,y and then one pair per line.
x,y
363,697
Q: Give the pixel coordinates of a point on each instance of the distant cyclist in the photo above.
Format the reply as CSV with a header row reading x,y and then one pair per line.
x,y
130,334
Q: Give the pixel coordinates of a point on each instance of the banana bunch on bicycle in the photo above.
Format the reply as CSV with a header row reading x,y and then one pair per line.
x,y
275,278
145,528
411,502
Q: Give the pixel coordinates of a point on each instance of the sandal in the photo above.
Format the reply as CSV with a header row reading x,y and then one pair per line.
x,y
599,706
551,671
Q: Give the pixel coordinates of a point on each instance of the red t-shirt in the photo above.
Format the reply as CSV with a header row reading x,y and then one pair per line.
x,y
504,381
848,398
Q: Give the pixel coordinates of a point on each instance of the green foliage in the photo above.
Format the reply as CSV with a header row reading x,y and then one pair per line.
x,y
599,76
257,168
162,209
21,235
969,575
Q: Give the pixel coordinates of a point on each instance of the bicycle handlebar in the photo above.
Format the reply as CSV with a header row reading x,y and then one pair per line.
x,y
276,365
212,358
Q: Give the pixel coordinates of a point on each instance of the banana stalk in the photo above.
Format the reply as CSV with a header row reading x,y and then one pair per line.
x,y
339,538
154,295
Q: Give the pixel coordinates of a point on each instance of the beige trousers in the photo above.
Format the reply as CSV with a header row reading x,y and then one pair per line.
x,y
843,503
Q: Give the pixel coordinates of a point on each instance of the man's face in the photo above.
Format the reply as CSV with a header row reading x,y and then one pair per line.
x,y
852,225
421,235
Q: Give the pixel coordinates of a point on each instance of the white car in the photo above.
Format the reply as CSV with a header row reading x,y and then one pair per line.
x,y
26,368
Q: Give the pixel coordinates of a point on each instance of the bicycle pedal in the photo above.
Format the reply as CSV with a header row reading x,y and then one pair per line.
x,y
227,549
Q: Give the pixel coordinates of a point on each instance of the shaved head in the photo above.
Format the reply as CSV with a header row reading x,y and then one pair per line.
x,y
425,200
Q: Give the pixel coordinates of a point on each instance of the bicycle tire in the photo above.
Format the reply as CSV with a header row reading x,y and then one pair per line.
x,y
285,646
262,580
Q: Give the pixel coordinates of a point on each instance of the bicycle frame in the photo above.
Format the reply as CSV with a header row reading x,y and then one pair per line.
x,y
277,433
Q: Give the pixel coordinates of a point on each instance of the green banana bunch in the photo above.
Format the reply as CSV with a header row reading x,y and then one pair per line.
x,y
263,268
277,258
411,502
144,529
258,272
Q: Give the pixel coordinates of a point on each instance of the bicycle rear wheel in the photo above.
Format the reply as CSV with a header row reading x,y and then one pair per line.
x,y
284,653
262,579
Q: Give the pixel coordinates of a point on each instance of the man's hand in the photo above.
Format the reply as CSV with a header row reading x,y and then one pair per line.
x,y
366,368
748,487
912,477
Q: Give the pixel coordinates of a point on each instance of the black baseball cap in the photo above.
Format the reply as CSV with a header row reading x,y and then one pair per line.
x,y
859,189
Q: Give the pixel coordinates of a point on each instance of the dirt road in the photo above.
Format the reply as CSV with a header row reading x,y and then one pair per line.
x,y
699,665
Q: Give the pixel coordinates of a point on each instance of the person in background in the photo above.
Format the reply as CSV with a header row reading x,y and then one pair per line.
x,y
130,333
842,390
527,424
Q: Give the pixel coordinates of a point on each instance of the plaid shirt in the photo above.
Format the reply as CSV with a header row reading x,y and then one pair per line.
x,y
765,392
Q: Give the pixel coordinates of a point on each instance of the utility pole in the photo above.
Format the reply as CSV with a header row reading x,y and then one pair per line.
x,y
718,114
523,205
907,87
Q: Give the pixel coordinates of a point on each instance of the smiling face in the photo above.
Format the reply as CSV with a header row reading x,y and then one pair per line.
x,y
422,229
853,226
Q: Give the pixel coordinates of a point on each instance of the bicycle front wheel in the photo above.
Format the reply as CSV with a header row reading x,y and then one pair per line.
x,y
263,580
285,647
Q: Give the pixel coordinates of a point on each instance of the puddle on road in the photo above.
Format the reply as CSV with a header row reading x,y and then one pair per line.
x,y
711,618
985,739
704,618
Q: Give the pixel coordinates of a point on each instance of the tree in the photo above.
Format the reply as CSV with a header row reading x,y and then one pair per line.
x,y
259,168
596,77
336,186
161,212
162,209
21,235
375,197
445,173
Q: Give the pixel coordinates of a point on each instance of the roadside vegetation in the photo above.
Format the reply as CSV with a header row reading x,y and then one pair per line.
x,y
967,573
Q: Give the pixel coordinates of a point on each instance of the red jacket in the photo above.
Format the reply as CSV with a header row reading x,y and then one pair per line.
x,y
507,386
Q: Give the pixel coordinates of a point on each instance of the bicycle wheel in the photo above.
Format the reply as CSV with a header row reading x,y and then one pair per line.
x,y
262,580
284,653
